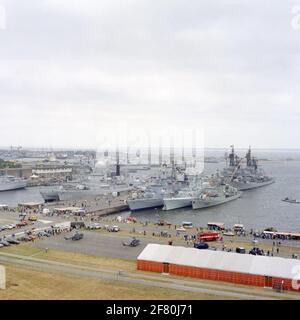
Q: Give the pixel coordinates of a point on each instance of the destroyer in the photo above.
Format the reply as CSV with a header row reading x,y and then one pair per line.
x,y
182,200
210,197
245,178
50,196
165,187
151,197
80,191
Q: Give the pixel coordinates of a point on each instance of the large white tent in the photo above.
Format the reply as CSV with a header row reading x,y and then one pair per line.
x,y
225,261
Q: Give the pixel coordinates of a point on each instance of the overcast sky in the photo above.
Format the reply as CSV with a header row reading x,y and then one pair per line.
x,y
70,69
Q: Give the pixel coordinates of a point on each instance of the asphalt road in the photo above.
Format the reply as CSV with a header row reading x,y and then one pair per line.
x,y
97,244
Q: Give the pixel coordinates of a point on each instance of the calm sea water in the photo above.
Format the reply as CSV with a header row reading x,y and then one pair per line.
x,y
257,208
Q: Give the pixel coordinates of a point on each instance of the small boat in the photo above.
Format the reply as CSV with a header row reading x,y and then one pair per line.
x,y
290,200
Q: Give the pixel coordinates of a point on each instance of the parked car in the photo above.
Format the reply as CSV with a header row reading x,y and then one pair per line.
x,y
240,250
32,218
75,237
10,226
94,226
7,227
201,245
22,224
43,234
114,229
256,251
133,243
131,219
28,238
24,238
12,241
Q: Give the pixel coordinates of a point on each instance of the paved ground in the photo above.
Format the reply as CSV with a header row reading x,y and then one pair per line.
x,y
111,244
97,244
94,204
13,218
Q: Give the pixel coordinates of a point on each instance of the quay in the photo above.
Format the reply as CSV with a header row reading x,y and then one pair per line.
x,y
99,206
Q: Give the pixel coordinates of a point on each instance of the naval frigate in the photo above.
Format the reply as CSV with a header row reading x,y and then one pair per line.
x,y
214,196
248,177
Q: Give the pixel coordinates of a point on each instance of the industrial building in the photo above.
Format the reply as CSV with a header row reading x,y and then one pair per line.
x,y
23,172
53,171
232,267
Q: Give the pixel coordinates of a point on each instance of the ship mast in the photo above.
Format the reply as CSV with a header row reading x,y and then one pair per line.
x,y
172,156
160,153
149,151
232,157
118,171
194,149
248,157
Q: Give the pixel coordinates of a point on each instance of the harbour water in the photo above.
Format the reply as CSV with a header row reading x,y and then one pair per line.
x,y
256,209
12,198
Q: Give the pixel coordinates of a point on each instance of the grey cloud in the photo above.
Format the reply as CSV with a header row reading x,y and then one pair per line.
x,y
230,66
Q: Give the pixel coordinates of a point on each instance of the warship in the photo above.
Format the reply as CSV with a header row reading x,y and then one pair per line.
x,y
150,196
80,191
245,178
213,196
165,187
183,199
50,196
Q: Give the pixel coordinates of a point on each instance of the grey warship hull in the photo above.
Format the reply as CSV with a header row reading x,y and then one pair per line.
x,y
177,203
142,204
201,204
50,196
241,186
